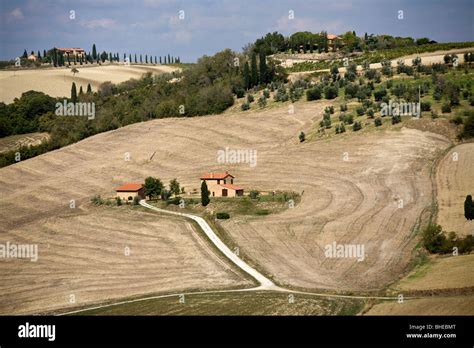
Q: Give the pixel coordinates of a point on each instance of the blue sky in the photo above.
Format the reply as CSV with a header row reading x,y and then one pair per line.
x,y
153,26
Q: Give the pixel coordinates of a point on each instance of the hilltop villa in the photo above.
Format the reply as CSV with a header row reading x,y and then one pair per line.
x,y
221,185
129,191
75,51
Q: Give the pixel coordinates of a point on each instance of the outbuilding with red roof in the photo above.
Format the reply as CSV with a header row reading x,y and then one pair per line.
x,y
129,191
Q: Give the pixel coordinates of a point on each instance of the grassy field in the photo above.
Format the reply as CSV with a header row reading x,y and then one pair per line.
x,y
235,303
264,204
450,305
444,277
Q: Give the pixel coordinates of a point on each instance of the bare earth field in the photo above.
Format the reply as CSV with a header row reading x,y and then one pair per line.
x,y
57,82
106,253
455,180
15,141
354,201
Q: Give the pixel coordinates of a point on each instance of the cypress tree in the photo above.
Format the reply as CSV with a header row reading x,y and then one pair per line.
x,y
169,58
469,208
135,58
44,53
253,71
130,58
73,93
39,55
55,57
146,59
81,92
141,60
89,88
94,52
204,194
25,54
246,73
263,66
160,59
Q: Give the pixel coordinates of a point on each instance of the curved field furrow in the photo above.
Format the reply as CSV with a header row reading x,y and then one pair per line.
x,y
351,201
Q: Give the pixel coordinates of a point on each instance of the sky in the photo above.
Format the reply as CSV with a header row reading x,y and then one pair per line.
x,y
193,28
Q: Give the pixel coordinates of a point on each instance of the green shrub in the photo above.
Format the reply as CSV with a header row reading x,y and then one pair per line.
x,y
330,92
245,106
262,102
425,106
435,241
378,122
468,128
118,201
357,126
302,137
97,200
222,215
250,98
396,119
313,93
254,194
360,111
262,212
457,120
343,107
446,108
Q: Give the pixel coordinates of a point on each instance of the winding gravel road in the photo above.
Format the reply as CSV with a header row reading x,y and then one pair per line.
x,y
265,283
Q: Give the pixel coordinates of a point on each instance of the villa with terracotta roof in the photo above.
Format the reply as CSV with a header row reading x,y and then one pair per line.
x,y
72,51
128,192
221,185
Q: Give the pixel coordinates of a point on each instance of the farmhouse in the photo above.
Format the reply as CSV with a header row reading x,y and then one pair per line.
x,y
74,51
129,191
221,185
32,58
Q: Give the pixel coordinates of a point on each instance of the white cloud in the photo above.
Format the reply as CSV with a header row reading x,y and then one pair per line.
x,y
296,24
17,13
104,23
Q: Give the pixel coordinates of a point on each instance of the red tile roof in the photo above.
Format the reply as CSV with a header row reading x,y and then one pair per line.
x,y
130,187
232,187
332,37
70,49
215,176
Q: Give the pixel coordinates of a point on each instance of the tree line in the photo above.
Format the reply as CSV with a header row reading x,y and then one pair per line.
x,y
57,58
305,41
